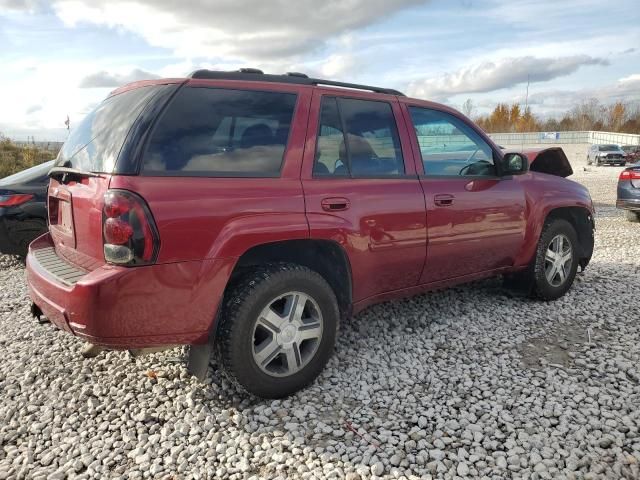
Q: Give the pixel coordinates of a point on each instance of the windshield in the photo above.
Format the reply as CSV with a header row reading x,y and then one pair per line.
x,y
37,174
94,145
608,148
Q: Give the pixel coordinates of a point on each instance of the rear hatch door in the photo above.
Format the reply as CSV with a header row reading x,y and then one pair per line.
x,y
82,173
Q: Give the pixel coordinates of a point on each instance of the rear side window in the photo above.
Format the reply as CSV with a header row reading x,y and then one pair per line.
x,y
357,138
220,132
95,143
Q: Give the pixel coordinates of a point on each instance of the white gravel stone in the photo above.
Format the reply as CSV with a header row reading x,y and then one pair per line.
x,y
472,382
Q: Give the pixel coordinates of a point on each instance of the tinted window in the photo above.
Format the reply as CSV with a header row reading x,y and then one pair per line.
x,y
372,146
220,132
330,142
449,146
95,143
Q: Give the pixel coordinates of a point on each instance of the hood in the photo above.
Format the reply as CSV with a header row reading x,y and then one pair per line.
x,y
550,160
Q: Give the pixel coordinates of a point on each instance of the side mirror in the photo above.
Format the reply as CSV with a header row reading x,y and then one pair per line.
x,y
514,164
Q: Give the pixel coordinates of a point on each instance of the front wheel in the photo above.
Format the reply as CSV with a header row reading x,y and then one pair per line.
x,y
278,330
556,261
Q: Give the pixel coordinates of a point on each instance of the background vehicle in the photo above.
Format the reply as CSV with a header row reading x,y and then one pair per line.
x,y
23,208
249,213
606,154
632,152
629,192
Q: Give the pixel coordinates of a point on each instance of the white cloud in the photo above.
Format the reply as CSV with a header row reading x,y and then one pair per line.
x,y
495,75
104,79
246,29
554,102
21,5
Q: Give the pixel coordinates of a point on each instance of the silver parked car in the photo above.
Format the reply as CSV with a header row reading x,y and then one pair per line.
x,y
606,154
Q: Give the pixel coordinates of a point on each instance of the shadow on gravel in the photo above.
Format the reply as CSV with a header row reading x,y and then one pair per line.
x,y
607,210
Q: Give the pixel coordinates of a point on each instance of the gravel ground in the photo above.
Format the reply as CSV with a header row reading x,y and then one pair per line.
x,y
467,382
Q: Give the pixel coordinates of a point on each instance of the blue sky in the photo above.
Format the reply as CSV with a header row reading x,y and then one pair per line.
x,y
64,56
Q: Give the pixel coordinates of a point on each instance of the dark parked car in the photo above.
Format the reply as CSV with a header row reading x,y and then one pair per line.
x,y
632,152
23,208
246,214
629,192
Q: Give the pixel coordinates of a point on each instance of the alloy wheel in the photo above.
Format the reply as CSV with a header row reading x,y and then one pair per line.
x,y
557,260
287,334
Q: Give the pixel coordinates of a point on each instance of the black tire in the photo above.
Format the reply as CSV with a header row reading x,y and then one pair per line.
x,y
632,216
25,232
598,163
242,306
542,288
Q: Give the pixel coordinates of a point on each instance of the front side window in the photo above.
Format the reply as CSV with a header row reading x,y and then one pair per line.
x,y
357,138
221,132
449,147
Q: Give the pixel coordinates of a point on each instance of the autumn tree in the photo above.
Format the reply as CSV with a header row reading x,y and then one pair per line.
x,y
589,114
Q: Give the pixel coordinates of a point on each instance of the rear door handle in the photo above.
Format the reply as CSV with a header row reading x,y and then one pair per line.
x,y
335,204
443,200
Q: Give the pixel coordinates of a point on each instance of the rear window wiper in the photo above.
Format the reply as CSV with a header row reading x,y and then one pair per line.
x,y
68,172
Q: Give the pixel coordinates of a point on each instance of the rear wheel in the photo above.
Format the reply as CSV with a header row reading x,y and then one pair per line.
x,y
556,261
278,330
25,232
632,216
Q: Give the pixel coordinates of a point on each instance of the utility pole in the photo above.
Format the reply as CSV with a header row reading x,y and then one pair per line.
x,y
526,107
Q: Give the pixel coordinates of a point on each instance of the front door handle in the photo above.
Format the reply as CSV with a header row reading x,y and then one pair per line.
x,y
335,204
443,200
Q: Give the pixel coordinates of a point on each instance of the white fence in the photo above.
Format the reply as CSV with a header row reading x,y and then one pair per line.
x,y
591,137
50,146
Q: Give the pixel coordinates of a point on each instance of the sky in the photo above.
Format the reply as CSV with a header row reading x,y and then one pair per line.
x,y
62,57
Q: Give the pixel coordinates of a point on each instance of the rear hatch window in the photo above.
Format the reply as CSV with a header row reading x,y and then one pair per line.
x,y
95,143
218,132
75,204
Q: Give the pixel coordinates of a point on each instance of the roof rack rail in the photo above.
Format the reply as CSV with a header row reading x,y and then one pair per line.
x,y
296,74
254,74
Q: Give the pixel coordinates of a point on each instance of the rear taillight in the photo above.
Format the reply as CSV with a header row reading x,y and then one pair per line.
x,y
630,175
13,200
129,233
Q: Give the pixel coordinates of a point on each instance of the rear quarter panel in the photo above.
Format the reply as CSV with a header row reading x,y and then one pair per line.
x,y
203,218
212,217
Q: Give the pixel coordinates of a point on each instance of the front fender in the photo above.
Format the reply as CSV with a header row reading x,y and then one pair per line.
x,y
545,193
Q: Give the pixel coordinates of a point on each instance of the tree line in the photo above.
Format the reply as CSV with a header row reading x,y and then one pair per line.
x,y
589,114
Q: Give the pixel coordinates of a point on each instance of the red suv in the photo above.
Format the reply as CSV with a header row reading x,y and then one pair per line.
x,y
245,214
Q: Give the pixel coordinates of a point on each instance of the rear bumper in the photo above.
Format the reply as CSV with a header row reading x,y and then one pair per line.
x,y
628,197
628,203
119,307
